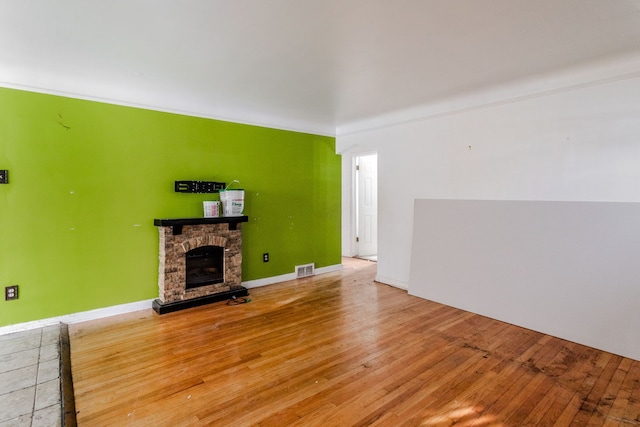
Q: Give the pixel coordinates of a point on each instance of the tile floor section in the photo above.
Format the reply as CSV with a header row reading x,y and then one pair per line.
x,y
30,378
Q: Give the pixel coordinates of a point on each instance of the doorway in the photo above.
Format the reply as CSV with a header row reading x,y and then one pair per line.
x,y
366,206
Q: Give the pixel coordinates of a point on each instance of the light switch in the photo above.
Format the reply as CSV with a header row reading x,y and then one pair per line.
x,y
4,177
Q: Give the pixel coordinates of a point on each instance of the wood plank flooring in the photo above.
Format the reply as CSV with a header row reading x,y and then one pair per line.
x,y
341,350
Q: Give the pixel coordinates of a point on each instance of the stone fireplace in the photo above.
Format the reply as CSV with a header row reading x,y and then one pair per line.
x,y
200,261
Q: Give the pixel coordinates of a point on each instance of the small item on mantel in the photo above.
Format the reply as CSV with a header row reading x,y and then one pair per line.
x,y
232,200
211,209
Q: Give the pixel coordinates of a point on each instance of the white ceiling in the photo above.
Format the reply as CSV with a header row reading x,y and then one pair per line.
x,y
310,65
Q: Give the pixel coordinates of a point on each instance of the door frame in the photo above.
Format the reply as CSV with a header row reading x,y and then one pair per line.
x,y
354,198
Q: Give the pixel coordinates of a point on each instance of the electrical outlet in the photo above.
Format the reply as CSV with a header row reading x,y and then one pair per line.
x,y
265,257
11,293
4,176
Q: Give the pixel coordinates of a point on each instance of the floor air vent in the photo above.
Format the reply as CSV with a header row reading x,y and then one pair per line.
x,y
305,270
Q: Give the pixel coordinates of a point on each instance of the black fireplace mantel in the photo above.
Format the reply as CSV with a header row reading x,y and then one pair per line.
x,y
178,223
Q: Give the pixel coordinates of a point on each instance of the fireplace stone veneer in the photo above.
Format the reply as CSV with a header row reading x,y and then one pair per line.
x,y
177,237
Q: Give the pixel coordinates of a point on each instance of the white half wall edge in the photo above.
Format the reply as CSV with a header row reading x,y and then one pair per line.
x,y
286,277
82,316
566,269
392,282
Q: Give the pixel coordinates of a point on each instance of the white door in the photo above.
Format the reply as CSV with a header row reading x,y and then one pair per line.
x,y
367,205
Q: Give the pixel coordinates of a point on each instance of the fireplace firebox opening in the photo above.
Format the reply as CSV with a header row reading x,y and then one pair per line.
x,y
204,266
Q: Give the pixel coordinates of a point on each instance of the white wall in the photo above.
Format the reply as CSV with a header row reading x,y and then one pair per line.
x,y
581,142
568,142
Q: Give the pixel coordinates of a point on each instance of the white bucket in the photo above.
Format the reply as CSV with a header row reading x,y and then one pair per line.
x,y
211,209
232,202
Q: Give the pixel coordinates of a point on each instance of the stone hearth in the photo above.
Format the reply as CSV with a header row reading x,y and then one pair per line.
x,y
177,237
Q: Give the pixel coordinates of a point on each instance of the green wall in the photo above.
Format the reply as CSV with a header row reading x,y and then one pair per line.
x,y
87,179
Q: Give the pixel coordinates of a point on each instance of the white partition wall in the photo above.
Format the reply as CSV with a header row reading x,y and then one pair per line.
x,y
568,269
580,142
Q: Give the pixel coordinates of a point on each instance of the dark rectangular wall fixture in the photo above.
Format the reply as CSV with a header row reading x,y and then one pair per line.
x,y
198,186
4,176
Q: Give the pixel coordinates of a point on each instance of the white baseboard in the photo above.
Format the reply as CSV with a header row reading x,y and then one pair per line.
x,y
79,317
139,305
268,280
286,277
329,269
392,282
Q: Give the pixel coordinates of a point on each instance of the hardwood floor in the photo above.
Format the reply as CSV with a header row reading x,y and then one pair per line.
x,y
341,350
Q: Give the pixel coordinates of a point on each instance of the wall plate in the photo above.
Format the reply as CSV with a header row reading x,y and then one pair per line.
x,y
4,176
11,292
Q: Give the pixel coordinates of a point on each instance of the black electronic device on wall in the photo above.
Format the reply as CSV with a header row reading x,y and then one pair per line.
x,y
199,186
